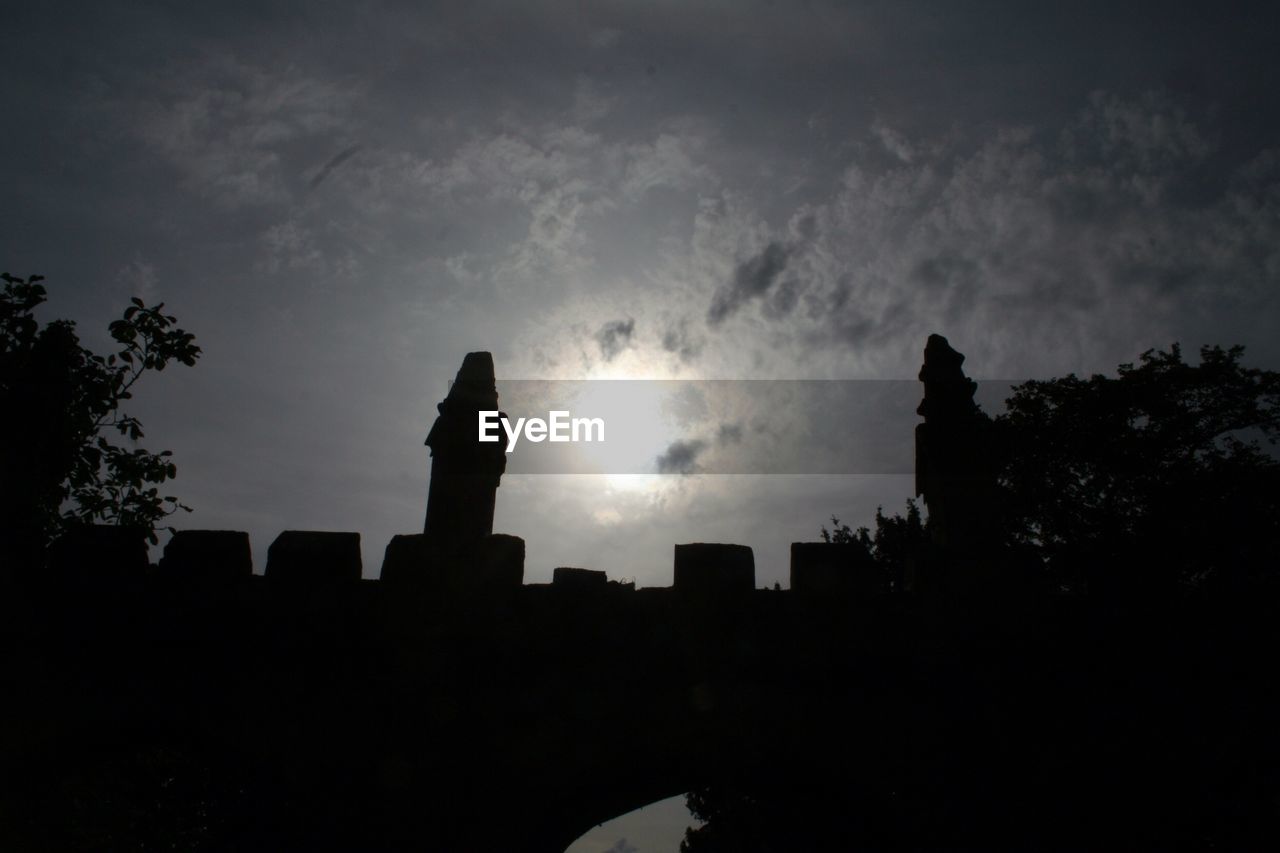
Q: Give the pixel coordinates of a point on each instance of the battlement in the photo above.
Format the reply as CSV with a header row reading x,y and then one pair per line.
x,y
459,557
308,559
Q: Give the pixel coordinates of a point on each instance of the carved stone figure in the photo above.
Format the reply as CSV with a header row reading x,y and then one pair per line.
x,y
464,471
955,466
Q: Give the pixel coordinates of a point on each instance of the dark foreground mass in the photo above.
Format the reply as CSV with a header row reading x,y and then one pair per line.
x,y
158,711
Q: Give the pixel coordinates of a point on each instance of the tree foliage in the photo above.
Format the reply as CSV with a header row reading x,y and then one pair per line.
x,y
894,538
1164,466
1162,473
70,453
730,821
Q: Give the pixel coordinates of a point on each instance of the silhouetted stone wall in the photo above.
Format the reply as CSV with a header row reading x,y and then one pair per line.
x,y
314,557
572,578
709,570
208,555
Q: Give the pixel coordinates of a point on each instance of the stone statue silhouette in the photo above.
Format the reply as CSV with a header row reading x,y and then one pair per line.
x,y
464,471
955,469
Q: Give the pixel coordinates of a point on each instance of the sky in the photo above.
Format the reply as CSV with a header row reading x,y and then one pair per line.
x,y
341,203
342,199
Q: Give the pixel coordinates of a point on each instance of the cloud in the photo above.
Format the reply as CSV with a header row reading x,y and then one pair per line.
x,y
677,340
504,166
604,37
327,168
893,142
729,433
1094,237
590,102
681,457
607,516
751,280
782,300
291,246
554,243
229,126
563,178
140,278
671,160
614,337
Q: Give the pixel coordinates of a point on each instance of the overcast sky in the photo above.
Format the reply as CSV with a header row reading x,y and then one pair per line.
x,y
341,202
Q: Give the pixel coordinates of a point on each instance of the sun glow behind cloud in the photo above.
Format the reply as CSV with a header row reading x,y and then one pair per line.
x,y
639,405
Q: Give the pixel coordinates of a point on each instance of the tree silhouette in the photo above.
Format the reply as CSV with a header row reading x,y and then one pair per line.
x,y
1157,479
59,454
894,538
1161,470
731,820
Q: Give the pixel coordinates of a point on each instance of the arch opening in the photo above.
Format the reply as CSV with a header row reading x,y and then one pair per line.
x,y
657,825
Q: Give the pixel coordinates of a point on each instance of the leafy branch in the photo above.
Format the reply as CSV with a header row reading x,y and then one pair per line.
x,y
70,399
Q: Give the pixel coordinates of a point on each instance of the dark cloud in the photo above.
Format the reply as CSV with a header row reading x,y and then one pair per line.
x,y
681,457
729,433
1096,235
782,300
327,168
751,280
676,340
614,337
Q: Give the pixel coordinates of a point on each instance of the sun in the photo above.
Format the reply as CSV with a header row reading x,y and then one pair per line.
x,y
637,430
